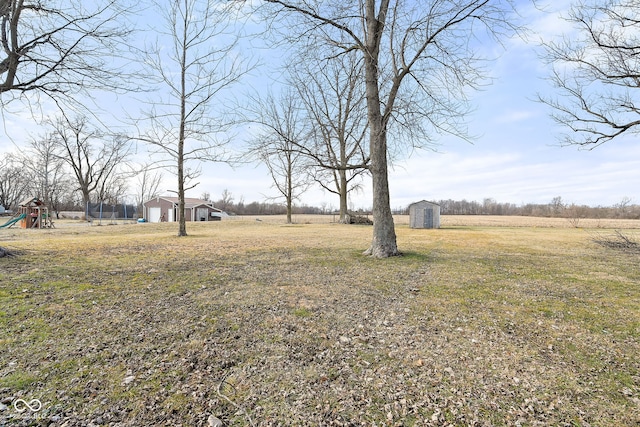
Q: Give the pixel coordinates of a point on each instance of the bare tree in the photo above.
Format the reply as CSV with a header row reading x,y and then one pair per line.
x,y
195,60
279,144
50,179
114,190
14,182
419,62
226,200
94,157
623,206
334,98
61,49
148,184
596,72
557,205
205,196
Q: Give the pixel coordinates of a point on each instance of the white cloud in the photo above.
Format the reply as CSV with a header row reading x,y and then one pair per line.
x,y
513,160
515,116
583,178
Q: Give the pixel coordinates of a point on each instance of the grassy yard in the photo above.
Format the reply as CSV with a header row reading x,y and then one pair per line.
x,y
262,323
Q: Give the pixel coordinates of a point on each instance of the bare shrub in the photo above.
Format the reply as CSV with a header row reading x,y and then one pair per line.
x,y
6,252
359,219
619,241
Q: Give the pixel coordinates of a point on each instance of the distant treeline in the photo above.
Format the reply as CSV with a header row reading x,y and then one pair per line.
x,y
556,208
265,208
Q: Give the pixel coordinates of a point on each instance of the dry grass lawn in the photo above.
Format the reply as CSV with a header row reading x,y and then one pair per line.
x,y
261,323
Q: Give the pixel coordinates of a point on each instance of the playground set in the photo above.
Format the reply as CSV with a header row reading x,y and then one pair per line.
x,y
32,213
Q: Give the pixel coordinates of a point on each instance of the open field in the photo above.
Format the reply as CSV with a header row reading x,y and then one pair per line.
x,y
446,221
261,323
468,220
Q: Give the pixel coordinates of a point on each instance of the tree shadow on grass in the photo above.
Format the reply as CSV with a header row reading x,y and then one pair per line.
x,y
4,252
416,256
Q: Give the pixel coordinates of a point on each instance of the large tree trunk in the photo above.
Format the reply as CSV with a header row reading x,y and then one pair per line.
x,y
289,187
289,218
344,215
182,221
86,198
182,224
384,234
289,197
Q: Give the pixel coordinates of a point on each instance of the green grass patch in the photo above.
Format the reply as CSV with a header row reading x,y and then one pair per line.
x,y
302,312
18,380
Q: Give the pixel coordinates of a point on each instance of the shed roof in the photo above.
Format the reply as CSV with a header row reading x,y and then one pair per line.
x,y
425,201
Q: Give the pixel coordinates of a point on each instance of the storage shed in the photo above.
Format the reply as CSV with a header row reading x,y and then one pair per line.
x,y
161,209
424,214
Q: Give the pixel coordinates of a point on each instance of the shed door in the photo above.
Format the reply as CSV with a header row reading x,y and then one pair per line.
x,y
154,214
428,218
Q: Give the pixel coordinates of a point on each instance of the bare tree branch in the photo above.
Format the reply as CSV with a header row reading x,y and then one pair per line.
x,y
63,52
597,73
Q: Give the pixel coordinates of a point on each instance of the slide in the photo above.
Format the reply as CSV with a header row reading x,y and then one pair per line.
x,y
12,221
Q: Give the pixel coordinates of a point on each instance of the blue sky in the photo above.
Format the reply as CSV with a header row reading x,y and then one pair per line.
x,y
515,158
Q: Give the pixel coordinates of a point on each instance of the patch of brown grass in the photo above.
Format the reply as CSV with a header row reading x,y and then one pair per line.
x,y
466,220
272,324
